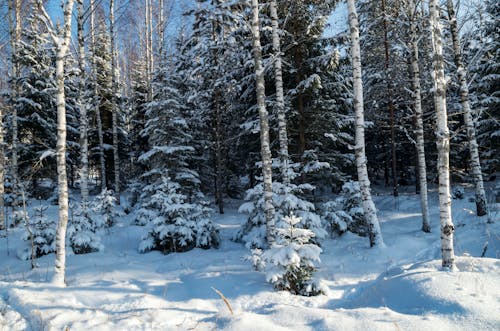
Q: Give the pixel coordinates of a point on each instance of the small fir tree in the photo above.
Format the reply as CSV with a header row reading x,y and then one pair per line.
x,y
290,263
41,232
105,207
82,231
176,225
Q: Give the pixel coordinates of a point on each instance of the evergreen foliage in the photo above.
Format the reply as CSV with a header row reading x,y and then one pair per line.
x,y
41,233
82,230
175,224
290,263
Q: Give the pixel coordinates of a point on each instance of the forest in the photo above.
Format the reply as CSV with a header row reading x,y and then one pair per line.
x,y
249,164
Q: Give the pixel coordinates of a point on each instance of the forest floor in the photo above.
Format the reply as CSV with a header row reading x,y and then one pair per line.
x,y
398,287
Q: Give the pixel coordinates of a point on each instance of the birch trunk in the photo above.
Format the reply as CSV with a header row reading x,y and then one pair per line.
x,y
419,123
2,173
390,104
116,158
84,171
481,205
364,183
280,96
442,139
62,46
15,32
100,136
264,126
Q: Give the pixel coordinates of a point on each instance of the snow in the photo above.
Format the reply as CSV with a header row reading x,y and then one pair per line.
x,y
399,287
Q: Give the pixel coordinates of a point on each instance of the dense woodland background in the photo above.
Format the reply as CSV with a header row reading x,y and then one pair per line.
x,y
161,103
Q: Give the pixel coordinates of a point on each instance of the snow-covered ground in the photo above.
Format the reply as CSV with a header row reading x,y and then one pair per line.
x,y
399,287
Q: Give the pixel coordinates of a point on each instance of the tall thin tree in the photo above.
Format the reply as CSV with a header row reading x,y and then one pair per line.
x,y
14,11
264,126
84,146
477,175
364,183
114,103
412,11
61,41
280,95
442,139
100,135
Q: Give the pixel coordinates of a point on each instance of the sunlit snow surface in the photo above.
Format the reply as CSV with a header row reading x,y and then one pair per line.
x,y
399,287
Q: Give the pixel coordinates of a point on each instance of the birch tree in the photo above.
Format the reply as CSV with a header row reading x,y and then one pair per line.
x,y
116,158
61,41
280,96
14,13
100,136
369,209
442,139
419,123
481,205
84,170
264,126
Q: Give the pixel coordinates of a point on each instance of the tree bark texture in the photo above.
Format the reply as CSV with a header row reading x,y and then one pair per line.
x,y
368,206
477,175
114,103
419,123
84,170
280,95
442,139
264,127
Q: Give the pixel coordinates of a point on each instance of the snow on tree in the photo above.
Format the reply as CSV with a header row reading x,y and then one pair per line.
x,y
290,262
41,233
104,205
82,230
291,198
176,225
345,213
442,139
369,209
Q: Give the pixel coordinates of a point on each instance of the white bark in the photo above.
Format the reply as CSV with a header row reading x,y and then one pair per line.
x,y
100,137
369,209
114,105
15,32
280,96
62,46
419,123
443,139
84,147
481,204
264,126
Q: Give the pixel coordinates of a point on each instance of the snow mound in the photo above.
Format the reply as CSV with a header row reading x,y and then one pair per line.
x,y
423,288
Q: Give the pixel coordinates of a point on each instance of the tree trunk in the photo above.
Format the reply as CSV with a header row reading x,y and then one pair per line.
x,y
280,96
114,105
481,205
62,45
368,206
390,104
100,136
264,127
419,124
443,139
84,170
15,32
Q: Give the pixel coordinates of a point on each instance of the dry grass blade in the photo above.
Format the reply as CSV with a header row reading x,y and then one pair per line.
x,y
226,301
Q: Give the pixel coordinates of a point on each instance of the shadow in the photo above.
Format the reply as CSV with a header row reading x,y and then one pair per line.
x,y
402,293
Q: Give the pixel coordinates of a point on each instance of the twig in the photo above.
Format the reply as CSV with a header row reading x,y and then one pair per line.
x,y
226,301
